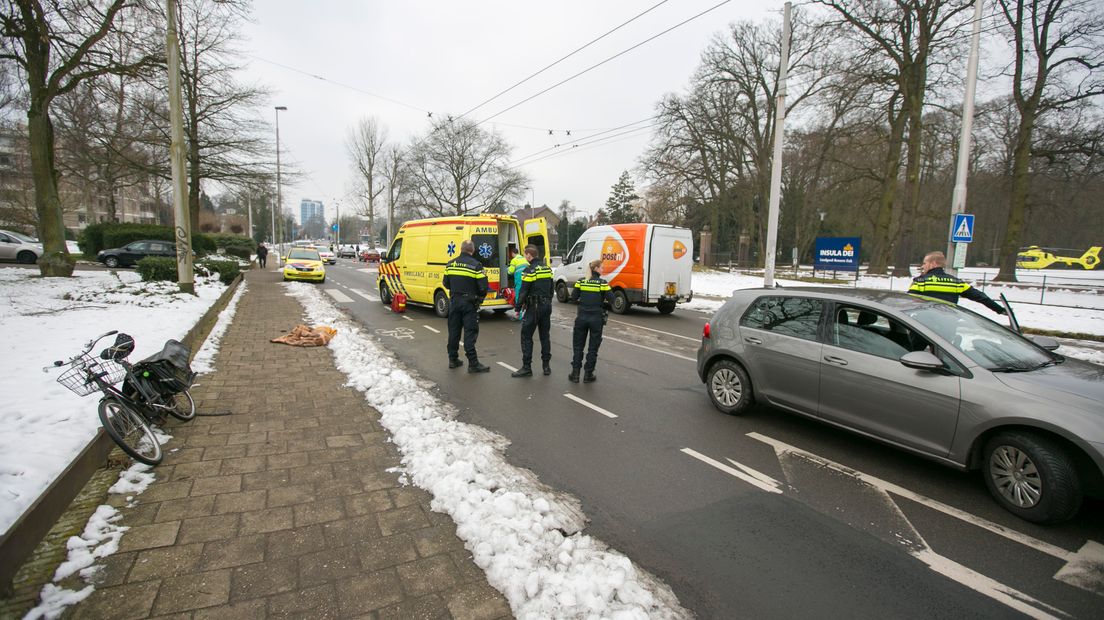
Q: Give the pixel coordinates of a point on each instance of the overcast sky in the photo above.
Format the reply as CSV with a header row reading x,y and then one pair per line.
x,y
446,57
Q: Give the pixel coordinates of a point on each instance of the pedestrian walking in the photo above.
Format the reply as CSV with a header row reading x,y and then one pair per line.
x,y
933,281
535,298
514,270
262,255
467,286
592,294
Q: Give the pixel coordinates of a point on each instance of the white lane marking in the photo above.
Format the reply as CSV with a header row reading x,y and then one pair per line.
x,y
754,473
362,293
339,296
407,318
1019,537
591,405
758,480
658,331
633,344
986,586
507,366
436,331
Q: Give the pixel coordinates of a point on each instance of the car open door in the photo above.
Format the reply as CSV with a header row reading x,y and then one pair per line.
x,y
536,233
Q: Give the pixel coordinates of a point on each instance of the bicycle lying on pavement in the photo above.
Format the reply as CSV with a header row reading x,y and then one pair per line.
x,y
147,390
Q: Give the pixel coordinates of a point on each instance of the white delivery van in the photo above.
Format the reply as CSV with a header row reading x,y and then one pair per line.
x,y
645,264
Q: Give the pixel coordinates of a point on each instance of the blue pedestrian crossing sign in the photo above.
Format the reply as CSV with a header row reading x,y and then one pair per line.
x,y
962,228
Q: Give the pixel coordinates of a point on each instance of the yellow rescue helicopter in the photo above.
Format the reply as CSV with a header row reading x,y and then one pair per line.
x,y
1035,257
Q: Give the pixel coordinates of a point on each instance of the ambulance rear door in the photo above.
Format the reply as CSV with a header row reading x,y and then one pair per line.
x,y
670,263
536,233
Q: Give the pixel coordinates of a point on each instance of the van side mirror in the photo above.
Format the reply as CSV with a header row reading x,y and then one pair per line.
x,y
922,360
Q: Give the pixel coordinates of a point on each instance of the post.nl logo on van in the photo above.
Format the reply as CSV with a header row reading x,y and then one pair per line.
x,y
613,255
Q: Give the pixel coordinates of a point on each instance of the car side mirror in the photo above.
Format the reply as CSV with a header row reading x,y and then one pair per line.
x,y
1046,342
922,360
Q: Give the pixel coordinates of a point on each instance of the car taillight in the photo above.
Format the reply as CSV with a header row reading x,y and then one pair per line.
x,y
705,332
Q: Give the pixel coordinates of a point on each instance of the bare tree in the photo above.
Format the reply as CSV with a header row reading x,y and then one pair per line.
x,y
1058,57
460,168
57,46
366,143
396,178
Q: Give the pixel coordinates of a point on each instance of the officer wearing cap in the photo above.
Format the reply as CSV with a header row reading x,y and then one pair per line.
x,y
592,294
535,297
467,286
934,282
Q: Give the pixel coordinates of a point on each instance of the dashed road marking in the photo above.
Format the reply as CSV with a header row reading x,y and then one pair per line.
x,y
507,366
590,405
658,331
363,293
407,318
432,329
633,344
339,296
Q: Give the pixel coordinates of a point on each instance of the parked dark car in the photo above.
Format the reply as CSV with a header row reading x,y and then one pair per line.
x,y
922,375
135,251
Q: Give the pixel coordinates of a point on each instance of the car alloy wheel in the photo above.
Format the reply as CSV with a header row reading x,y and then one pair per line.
x,y
727,387
1015,476
111,261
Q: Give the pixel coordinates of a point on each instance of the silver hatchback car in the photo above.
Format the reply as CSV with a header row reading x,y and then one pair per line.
x,y
923,375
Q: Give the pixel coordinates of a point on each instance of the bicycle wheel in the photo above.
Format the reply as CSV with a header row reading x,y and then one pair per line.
x,y
130,430
181,406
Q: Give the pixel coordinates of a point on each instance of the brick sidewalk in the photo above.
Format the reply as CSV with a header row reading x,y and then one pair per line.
x,y
285,507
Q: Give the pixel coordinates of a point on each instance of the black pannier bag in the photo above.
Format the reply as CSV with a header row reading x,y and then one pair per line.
x,y
167,372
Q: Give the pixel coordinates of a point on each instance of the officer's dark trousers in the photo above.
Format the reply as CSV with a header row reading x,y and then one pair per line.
x,y
586,323
538,317
261,260
463,315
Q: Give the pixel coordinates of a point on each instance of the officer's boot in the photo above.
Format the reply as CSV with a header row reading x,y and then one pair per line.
x,y
589,377
455,363
574,376
547,368
524,371
474,366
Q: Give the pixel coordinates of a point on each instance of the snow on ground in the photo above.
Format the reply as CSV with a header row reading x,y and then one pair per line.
x,y
513,525
204,360
43,425
100,539
1078,309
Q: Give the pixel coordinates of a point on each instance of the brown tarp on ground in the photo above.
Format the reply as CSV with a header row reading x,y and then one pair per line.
x,y
303,336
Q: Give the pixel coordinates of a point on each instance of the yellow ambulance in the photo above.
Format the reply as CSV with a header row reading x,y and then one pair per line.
x,y
415,262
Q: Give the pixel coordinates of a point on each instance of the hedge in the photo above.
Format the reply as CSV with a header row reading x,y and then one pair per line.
x,y
157,268
227,269
98,237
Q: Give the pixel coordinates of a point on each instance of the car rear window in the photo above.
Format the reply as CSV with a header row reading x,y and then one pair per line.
x,y
304,255
788,316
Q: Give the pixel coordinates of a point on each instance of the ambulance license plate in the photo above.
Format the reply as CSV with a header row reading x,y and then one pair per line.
x,y
671,290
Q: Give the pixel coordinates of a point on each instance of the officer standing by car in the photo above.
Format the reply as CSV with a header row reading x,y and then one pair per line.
x,y
535,297
592,295
467,286
933,281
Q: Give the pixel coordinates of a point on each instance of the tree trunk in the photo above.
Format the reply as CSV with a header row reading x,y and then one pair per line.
x,y
55,261
1017,208
883,234
907,219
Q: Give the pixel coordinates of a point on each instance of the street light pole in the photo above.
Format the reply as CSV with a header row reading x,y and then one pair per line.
x,y
958,198
776,159
279,189
184,268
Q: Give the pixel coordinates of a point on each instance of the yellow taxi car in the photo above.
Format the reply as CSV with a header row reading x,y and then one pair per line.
x,y
304,264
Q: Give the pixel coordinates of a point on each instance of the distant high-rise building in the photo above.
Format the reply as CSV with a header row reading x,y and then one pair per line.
x,y
309,209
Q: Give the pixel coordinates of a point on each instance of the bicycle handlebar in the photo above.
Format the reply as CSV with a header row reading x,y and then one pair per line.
x,y
88,347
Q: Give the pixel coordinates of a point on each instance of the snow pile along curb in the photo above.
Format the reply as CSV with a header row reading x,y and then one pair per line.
x,y
204,360
524,535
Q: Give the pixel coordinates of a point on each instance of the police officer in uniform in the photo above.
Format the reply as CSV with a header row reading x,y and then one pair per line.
x,y
592,295
536,297
934,282
467,287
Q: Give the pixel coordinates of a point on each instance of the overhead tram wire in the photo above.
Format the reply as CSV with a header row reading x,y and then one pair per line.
x,y
341,84
628,135
586,143
515,162
569,55
599,64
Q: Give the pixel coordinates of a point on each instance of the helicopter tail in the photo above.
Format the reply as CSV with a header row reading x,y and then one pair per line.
x,y
1091,258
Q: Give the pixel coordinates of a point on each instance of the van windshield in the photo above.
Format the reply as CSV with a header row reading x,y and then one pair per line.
x,y
486,250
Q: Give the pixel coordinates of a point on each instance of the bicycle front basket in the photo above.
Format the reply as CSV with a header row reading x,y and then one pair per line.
x,y
81,376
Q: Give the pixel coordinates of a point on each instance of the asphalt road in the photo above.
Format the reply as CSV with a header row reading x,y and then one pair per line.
x,y
767,515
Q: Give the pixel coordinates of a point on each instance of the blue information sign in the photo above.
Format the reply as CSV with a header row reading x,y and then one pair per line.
x,y
962,228
837,253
